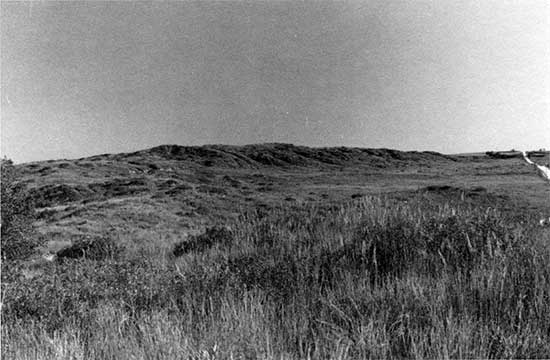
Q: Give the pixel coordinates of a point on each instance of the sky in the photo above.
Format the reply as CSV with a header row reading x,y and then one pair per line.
x,y
85,77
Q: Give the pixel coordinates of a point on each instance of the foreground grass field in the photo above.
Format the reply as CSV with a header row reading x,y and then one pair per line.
x,y
374,278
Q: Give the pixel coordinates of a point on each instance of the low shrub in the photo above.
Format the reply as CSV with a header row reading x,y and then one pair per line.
x,y
91,247
18,236
202,242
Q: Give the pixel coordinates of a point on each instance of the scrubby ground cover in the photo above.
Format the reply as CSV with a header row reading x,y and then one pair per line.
x,y
18,235
172,252
160,194
421,277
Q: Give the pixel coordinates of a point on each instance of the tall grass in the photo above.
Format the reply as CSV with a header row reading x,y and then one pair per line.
x,y
372,279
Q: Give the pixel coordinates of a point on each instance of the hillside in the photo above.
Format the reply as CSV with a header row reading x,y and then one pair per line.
x,y
288,155
182,189
171,169
268,249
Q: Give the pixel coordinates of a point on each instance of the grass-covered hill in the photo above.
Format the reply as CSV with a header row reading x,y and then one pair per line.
x,y
278,251
170,167
288,155
187,187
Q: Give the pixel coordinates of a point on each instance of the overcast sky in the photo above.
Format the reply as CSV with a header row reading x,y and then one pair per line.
x,y
83,78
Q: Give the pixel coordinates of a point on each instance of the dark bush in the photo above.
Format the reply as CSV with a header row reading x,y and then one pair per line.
x,y
55,194
19,239
278,277
199,243
93,248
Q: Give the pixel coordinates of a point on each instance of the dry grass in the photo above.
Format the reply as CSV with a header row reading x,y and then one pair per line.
x,y
371,279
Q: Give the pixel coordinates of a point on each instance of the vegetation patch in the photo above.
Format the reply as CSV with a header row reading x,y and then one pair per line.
x,y
19,237
408,280
200,243
209,189
57,194
93,248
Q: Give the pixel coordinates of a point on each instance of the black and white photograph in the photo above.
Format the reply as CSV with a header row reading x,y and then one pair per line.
x,y
262,179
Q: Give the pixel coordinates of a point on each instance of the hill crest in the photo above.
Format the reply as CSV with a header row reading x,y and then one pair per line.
x,y
175,169
287,155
